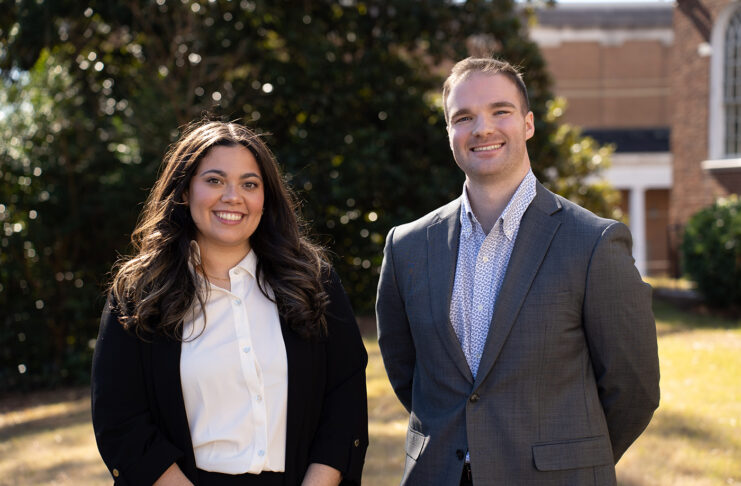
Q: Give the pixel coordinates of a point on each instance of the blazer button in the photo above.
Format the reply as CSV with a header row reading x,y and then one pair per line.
x,y
356,443
459,454
474,398
115,473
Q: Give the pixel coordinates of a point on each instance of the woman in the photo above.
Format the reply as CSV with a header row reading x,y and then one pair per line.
x,y
228,352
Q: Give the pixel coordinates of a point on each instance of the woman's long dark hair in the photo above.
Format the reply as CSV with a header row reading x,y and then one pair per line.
x,y
155,288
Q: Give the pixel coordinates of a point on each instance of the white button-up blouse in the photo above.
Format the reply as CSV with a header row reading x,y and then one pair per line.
x,y
233,373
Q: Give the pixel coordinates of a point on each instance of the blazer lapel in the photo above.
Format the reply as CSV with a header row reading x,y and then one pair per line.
x,y
442,254
299,353
169,395
536,232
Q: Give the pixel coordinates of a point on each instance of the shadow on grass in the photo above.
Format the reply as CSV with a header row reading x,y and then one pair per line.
x,y
670,425
681,447
61,419
673,319
67,473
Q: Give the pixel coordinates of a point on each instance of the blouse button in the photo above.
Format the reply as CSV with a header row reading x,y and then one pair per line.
x,y
259,398
261,453
247,349
238,302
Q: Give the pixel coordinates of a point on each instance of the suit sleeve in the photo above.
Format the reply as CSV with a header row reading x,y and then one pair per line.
x,y
394,336
131,445
342,435
621,334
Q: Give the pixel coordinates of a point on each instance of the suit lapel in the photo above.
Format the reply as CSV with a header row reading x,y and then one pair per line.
x,y
442,254
534,237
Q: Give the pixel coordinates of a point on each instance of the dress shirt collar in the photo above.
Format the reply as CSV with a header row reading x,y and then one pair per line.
x,y
510,217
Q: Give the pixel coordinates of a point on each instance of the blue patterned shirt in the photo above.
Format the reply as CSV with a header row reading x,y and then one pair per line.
x,y
479,273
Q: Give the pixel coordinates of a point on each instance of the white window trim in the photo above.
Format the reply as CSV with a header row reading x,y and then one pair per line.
x,y
714,165
717,114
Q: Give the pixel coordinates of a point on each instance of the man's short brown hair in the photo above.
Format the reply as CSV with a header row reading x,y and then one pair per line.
x,y
464,68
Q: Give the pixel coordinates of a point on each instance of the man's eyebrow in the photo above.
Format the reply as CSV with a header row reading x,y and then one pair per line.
x,y
502,104
461,111
491,106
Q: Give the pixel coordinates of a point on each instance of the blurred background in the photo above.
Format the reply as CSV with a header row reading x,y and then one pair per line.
x,y
638,117
93,93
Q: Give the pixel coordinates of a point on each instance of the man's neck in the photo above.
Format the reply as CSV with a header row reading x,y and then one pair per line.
x,y
489,198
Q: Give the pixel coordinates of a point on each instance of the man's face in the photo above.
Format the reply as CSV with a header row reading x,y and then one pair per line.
x,y
487,128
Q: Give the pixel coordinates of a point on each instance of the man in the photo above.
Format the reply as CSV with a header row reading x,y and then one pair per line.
x,y
513,324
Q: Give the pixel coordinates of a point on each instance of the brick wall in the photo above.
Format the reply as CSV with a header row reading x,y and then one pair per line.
x,y
693,187
612,86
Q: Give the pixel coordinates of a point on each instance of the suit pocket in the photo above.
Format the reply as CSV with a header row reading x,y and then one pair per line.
x,y
415,443
573,454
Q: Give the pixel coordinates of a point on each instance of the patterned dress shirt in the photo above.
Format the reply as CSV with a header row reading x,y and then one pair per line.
x,y
482,264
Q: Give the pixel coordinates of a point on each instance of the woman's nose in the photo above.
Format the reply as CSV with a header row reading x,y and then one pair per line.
x,y
229,194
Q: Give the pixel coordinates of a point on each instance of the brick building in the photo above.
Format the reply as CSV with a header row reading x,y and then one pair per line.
x,y
612,64
706,101
662,82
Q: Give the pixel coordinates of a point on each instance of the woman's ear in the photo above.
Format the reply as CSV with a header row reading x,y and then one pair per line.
x,y
185,197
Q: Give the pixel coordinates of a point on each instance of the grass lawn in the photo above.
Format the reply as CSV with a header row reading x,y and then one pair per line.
x,y
694,439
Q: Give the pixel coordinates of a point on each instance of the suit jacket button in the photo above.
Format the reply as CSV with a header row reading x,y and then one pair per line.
x,y
459,454
356,443
474,398
115,473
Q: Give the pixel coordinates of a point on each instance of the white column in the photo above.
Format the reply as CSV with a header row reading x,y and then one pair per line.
x,y
638,226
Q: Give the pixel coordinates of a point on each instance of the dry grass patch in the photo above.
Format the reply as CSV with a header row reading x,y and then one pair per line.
x,y
47,439
695,436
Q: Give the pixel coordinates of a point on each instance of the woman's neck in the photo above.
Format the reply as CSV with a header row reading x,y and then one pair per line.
x,y
217,261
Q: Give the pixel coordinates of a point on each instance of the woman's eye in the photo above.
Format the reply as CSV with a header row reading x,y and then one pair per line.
x,y
212,180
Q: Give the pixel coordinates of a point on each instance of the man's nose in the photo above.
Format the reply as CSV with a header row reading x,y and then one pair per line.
x,y
483,126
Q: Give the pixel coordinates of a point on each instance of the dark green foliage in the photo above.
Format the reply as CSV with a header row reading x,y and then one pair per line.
x,y
94,92
711,252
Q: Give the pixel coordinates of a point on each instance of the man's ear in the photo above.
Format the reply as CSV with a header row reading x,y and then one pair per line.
x,y
529,125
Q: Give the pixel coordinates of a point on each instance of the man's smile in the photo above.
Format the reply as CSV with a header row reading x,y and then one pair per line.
x,y
485,148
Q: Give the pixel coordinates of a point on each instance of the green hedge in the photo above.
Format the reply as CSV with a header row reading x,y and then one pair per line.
x,y
711,252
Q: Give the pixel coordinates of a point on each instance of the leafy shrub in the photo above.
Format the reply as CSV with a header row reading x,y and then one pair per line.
x,y
712,252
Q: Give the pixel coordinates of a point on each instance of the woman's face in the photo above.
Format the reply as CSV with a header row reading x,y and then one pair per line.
x,y
226,197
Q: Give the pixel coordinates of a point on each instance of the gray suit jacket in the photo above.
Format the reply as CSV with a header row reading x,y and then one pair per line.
x,y
569,377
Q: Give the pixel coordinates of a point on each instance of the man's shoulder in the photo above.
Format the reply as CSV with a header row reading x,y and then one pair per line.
x,y
436,216
570,213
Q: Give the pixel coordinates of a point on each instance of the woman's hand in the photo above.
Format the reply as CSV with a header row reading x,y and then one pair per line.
x,y
321,475
173,476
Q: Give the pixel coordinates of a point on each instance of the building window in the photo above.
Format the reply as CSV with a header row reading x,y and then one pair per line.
x,y
732,86
724,123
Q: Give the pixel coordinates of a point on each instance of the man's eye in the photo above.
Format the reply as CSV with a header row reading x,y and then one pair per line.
x,y
462,119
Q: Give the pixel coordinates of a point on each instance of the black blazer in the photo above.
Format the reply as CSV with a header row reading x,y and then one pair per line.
x,y
139,415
